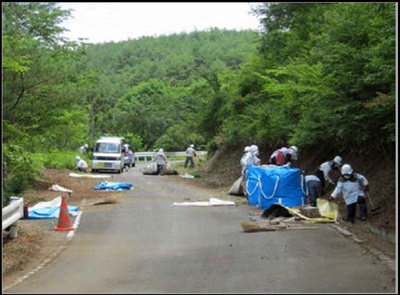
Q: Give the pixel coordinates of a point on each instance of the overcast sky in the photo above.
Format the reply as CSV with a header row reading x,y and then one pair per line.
x,y
106,22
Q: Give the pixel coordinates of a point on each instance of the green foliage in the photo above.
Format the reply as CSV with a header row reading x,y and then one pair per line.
x,y
36,71
22,24
20,169
70,131
56,159
324,75
147,110
134,140
155,79
326,90
178,138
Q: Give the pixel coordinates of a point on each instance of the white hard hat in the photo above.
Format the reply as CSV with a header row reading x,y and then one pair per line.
x,y
346,169
192,145
85,145
160,150
294,148
338,160
77,158
247,149
253,148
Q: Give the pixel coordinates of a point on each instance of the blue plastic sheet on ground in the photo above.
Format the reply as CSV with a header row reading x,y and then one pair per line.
x,y
49,212
113,186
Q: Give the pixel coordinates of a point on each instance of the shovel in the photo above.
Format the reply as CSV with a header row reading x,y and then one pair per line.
x,y
373,207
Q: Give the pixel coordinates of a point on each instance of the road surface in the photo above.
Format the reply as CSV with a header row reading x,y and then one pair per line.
x,y
145,244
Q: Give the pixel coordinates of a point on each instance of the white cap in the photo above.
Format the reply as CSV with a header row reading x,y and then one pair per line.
x,y
247,149
77,158
160,150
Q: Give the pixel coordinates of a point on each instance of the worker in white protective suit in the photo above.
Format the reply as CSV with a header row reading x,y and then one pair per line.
x,y
81,165
249,158
190,155
83,149
324,170
353,187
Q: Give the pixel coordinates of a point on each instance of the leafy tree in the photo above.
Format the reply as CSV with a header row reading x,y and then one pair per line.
x,y
330,89
37,64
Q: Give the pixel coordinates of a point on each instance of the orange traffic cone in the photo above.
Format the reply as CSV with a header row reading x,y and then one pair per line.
x,y
64,223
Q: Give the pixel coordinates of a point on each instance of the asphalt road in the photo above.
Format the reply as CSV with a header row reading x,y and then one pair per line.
x,y
144,244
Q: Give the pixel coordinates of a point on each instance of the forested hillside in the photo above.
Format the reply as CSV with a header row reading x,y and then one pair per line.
x,y
321,76
151,90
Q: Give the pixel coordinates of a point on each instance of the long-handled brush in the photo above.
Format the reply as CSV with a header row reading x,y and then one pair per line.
x,y
256,226
373,207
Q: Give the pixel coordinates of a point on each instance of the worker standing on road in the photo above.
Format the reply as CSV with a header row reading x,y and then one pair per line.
x,y
243,163
255,153
324,170
250,158
313,189
352,186
161,161
190,155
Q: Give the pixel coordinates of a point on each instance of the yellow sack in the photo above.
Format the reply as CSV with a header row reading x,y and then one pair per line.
x,y
296,211
327,209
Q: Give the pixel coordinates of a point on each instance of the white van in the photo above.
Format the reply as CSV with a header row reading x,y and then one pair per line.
x,y
108,154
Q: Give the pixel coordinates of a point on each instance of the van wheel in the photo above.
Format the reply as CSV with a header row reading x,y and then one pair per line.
x,y
94,171
133,164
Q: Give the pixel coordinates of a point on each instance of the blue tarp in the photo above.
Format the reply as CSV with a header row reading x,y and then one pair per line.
x,y
49,212
275,185
111,186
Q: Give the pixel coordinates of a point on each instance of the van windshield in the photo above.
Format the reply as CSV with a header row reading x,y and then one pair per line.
x,y
107,147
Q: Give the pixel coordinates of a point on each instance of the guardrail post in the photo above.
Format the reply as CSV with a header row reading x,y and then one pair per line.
x,y
11,214
13,233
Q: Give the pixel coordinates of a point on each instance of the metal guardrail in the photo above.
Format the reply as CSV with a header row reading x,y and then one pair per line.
x,y
12,213
145,155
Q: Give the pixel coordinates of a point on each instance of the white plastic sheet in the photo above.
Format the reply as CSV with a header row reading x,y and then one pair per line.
x,y
211,202
89,175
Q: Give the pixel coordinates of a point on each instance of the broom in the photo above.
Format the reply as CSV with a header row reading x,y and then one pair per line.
x,y
251,226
